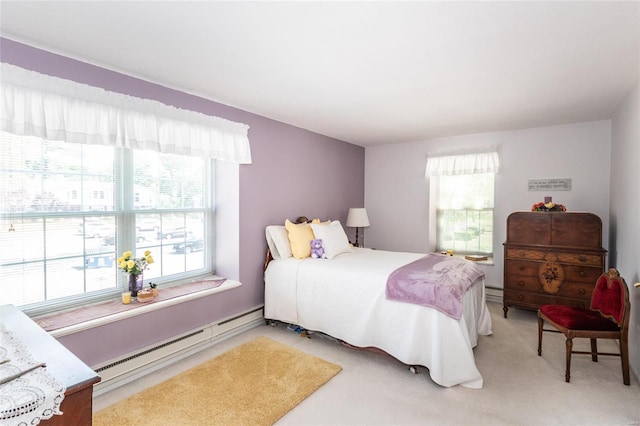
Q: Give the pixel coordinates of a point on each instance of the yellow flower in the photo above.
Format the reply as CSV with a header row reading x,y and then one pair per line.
x,y
133,265
549,205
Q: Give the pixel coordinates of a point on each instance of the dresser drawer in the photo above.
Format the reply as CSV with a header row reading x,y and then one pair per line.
x,y
580,259
523,283
515,253
525,298
534,300
577,290
565,258
521,268
582,274
572,289
524,268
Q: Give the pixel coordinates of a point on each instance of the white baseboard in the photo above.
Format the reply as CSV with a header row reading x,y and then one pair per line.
x,y
494,294
132,366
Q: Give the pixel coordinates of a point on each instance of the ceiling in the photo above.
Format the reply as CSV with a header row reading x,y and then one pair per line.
x,y
363,72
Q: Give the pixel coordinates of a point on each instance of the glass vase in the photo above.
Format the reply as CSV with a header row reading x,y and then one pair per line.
x,y
135,284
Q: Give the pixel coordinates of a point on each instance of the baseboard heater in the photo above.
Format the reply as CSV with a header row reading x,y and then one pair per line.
x,y
493,294
129,367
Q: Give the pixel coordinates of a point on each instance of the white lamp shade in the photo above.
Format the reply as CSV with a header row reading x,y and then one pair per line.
x,y
357,218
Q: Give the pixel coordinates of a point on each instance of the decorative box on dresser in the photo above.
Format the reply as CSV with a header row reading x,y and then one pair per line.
x,y
551,258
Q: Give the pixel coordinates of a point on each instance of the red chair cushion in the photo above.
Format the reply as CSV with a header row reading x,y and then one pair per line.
x,y
578,319
608,298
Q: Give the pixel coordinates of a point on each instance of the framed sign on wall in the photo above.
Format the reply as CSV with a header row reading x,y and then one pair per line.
x,y
556,184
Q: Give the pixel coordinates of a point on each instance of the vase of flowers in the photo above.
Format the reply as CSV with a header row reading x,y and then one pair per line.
x,y
548,207
135,284
134,267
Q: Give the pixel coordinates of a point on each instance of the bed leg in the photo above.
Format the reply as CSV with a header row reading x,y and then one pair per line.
x,y
414,369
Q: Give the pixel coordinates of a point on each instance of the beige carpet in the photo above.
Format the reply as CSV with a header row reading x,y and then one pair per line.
x,y
253,384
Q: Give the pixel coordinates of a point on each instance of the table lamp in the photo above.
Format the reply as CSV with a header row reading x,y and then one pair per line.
x,y
357,218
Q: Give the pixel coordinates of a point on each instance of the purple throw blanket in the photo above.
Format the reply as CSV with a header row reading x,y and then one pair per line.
x,y
435,280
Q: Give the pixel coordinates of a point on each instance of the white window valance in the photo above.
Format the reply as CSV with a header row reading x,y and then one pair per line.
x,y
463,164
35,104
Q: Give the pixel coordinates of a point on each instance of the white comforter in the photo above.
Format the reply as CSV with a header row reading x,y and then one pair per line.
x,y
345,298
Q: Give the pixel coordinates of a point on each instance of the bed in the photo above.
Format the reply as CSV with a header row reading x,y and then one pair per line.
x,y
346,297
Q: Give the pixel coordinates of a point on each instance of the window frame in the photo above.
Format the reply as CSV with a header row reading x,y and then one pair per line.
x,y
124,214
435,216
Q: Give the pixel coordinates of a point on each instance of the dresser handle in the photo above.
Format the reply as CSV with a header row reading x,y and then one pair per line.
x,y
521,297
582,291
583,274
521,283
521,267
582,259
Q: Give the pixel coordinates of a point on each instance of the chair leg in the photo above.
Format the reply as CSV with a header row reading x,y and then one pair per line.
x,y
567,374
624,354
594,350
540,325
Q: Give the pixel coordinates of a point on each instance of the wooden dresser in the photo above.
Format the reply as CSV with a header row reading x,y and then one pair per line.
x,y
70,371
551,258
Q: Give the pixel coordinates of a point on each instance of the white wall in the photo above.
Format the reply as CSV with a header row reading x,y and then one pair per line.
x,y
625,209
227,244
396,191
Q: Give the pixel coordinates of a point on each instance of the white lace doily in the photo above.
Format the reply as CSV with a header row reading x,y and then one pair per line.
x,y
32,397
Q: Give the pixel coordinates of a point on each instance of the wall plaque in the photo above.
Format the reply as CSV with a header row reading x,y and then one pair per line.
x,y
558,184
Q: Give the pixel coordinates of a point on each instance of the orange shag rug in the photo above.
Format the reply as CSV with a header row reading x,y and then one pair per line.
x,y
254,384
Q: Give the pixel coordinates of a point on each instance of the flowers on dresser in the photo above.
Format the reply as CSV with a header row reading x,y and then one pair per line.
x,y
132,265
548,207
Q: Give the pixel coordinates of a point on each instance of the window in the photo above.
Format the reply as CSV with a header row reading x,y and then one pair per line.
x,y
69,210
116,173
464,213
462,199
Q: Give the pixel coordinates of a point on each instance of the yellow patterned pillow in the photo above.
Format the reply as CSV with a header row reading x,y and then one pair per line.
x,y
300,236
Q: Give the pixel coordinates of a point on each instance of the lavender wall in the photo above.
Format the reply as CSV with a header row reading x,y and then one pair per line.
x,y
294,172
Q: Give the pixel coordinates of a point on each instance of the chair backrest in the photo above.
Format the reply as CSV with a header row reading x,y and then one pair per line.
x,y
610,296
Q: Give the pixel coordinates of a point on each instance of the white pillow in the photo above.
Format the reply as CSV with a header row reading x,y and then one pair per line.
x,y
278,241
334,239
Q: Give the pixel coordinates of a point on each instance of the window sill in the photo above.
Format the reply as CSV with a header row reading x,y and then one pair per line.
x,y
488,262
87,317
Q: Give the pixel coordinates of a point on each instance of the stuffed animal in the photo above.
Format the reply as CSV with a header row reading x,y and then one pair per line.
x,y
317,251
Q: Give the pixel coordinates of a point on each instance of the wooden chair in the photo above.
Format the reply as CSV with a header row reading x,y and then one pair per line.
x,y
607,318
